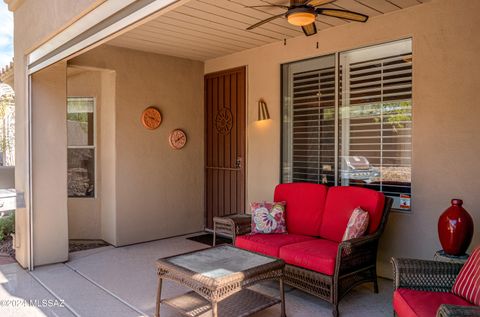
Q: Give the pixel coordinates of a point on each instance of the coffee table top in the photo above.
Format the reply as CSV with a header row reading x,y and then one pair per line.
x,y
220,265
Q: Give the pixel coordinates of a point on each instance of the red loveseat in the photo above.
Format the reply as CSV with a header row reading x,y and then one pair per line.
x,y
317,259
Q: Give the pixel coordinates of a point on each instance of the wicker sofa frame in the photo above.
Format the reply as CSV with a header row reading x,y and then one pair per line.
x,y
431,276
356,263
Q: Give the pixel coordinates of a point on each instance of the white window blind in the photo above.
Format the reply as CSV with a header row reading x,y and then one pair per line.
x,y
373,128
310,122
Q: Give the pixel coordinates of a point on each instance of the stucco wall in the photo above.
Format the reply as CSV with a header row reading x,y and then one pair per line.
x,y
7,176
49,177
159,191
445,113
33,22
84,212
107,164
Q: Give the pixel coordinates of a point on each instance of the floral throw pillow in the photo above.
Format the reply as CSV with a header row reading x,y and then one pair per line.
x,y
357,225
268,217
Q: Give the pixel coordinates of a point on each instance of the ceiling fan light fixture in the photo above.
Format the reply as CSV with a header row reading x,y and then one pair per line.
x,y
301,16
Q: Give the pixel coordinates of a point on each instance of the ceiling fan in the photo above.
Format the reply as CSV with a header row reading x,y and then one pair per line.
x,y
303,13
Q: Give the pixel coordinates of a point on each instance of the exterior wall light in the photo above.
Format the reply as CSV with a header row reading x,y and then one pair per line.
x,y
263,113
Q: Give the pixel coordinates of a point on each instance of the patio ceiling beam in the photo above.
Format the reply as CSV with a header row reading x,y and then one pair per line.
x,y
108,20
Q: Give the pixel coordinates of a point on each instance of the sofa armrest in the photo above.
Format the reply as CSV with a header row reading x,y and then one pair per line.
x,y
357,253
456,311
424,275
243,227
240,223
351,245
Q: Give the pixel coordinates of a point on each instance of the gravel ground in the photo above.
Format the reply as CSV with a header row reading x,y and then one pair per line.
x,y
80,245
6,247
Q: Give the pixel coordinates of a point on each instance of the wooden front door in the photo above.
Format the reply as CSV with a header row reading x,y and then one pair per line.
x,y
225,143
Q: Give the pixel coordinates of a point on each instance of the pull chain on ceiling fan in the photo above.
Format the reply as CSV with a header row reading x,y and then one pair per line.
x,y
304,12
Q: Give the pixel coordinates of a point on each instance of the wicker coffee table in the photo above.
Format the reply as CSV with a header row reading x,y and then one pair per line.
x,y
219,278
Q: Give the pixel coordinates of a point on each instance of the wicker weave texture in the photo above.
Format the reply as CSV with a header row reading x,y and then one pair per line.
x,y
232,225
223,289
458,311
220,291
243,303
424,275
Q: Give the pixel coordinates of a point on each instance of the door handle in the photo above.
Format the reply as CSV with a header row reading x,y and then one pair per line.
x,y
238,162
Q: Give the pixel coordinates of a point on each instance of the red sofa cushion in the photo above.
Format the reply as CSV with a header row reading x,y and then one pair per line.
x,y
318,255
340,203
268,244
305,205
412,303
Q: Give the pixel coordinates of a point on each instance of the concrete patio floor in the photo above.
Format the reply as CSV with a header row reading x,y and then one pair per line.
x,y
121,282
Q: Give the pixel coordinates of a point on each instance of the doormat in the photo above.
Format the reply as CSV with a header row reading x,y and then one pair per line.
x,y
207,239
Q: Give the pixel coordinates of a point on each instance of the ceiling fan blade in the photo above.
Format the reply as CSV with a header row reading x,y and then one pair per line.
x,y
269,6
316,3
310,29
343,14
265,21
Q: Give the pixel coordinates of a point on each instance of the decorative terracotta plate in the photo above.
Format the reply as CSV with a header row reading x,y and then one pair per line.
x,y
177,139
151,118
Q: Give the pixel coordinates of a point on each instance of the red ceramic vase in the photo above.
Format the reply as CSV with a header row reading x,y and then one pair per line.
x,y
455,229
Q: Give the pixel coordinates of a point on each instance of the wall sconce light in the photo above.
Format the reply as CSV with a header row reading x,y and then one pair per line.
x,y
263,113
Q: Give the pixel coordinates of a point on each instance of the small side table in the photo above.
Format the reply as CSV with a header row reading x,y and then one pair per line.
x,y
231,225
441,256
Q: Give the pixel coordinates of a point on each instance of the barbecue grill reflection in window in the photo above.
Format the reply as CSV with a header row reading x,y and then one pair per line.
x,y
81,146
369,142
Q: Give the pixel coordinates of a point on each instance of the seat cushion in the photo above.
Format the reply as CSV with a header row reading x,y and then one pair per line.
x,y
340,203
304,209
318,255
467,283
412,303
268,244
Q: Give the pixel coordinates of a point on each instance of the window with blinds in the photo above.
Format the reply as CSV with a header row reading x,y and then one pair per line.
x,y
309,121
351,124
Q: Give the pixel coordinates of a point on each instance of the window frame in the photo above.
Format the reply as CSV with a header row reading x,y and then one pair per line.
x,y
337,115
91,147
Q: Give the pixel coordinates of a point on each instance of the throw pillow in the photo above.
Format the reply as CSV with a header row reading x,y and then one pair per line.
x,y
357,225
268,217
467,283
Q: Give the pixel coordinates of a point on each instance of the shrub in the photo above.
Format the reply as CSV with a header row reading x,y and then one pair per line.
x,y
7,226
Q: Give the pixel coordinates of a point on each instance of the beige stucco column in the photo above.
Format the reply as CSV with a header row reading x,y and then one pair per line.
x,y
49,165
47,21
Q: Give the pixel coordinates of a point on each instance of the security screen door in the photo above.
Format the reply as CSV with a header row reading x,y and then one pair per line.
x,y
225,143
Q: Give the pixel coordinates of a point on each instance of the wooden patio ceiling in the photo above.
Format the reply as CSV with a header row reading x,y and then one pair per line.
x,y
205,29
